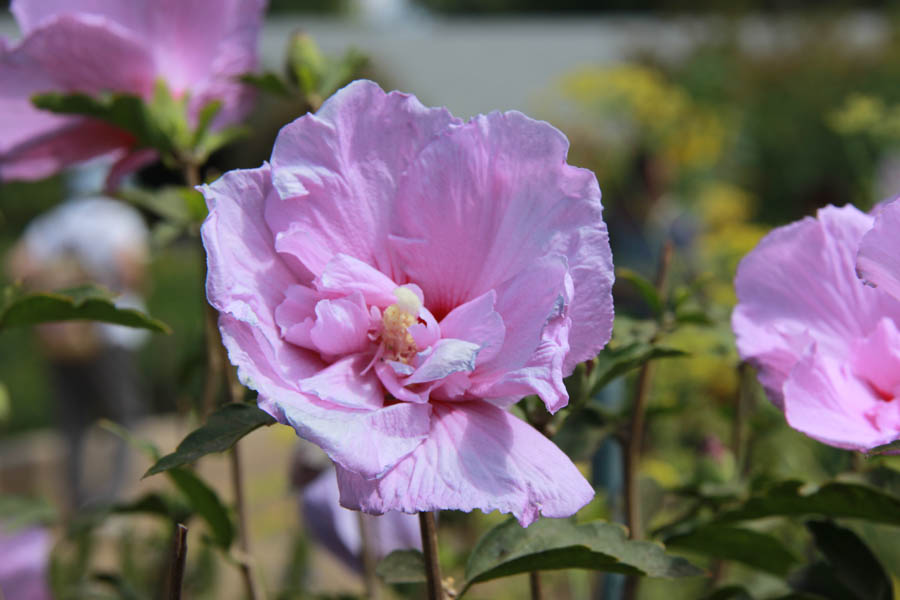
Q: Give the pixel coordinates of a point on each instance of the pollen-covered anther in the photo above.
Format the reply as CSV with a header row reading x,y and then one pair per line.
x,y
398,344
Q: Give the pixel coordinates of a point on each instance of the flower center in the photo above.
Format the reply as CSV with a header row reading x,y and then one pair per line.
x,y
398,344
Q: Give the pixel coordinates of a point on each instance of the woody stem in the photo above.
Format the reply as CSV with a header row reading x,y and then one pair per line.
x,y
434,582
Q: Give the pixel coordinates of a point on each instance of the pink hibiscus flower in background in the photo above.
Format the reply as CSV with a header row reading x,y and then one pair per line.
x,y
878,261
24,562
198,47
827,347
395,279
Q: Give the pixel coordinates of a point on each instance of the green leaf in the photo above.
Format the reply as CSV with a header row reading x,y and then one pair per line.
x,y
889,447
154,503
853,564
615,361
847,500
169,115
306,63
730,592
693,317
817,581
83,303
204,120
549,544
644,287
758,550
122,110
206,503
342,72
219,139
220,432
268,82
402,566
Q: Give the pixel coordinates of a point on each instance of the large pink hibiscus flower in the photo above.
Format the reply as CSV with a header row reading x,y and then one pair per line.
x,y
826,346
395,279
198,47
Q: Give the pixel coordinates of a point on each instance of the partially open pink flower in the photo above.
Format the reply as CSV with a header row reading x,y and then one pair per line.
x,y
878,261
396,279
827,347
198,47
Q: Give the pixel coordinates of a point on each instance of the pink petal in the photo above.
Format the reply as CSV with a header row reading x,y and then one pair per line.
x,y
336,173
85,53
342,326
824,400
344,274
876,359
476,321
799,286
542,375
296,315
446,357
367,442
879,253
476,456
77,140
343,384
531,358
483,203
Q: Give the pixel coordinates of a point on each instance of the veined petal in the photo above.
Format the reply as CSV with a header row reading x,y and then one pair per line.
x,y
799,285
826,401
483,203
367,442
342,326
343,383
879,253
336,173
447,356
476,456
476,321
344,274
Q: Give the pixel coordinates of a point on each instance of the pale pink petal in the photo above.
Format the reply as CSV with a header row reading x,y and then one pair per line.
x,y
799,286
296,315
447,356
388,374
342,326
879,253
204,59
344,274
367,442
542,375
85,53
75,141
826,401
129,163
343,384
476,321
876,359
482,203
336,172
476,456
246,277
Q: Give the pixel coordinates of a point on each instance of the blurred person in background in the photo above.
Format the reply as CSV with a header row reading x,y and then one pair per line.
x,y
86,239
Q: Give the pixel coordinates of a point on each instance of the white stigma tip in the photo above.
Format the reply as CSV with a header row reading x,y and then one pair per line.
x,y
407,301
